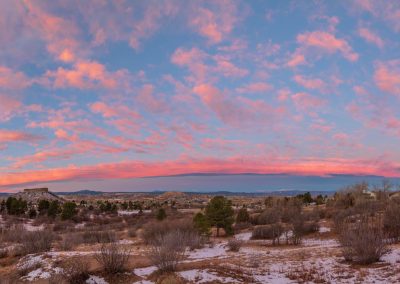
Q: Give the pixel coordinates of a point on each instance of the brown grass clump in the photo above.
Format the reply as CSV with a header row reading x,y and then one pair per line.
x,y
234,244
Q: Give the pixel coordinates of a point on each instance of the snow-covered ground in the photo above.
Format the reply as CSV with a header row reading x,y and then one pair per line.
x,y
314,261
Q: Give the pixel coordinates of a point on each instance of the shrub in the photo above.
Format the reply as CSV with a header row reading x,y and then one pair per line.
x,y
37,241
14,234
391,220
16,206
269,232
363,242
299,229
71,240
234,244
161,214
75,271
113,257
167,250
91,237
269,216
243,216
153,230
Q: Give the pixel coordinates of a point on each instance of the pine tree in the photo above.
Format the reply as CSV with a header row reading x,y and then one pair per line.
x,y
201,224
219,213
243,216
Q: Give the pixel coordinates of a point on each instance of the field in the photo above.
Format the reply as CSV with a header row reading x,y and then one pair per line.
x,y
147,246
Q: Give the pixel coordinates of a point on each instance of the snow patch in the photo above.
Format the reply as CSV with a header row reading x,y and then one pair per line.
x,y
96,280
324,229
145,271
244,236
217,251
205,276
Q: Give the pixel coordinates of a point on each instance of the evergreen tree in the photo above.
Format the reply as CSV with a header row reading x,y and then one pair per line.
x,y
68,210
201,224
243,216
43,206
16,206
219,213
54,209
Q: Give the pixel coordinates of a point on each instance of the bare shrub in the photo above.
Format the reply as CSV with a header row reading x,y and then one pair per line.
x,y
269,216
234,244
75,271
113,257
391,220
269,232
69,241
167,250
92,237
37,241
189,235
363,242
13,234
299,229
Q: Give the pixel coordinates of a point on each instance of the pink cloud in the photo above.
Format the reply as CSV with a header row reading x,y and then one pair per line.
x,y
257,87
228,69
205,67
327,42
387,76
61,35
296,59
307,103
84,75
134,169
152,103
371,37
12,80
309,83
215,23
237,111
13,136
283,94
9,107
389,11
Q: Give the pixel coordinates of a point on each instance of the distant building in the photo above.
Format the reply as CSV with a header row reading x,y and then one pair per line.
x,y
37,190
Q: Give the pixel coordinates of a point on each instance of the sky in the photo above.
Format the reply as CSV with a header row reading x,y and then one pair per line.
x,y
97,92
